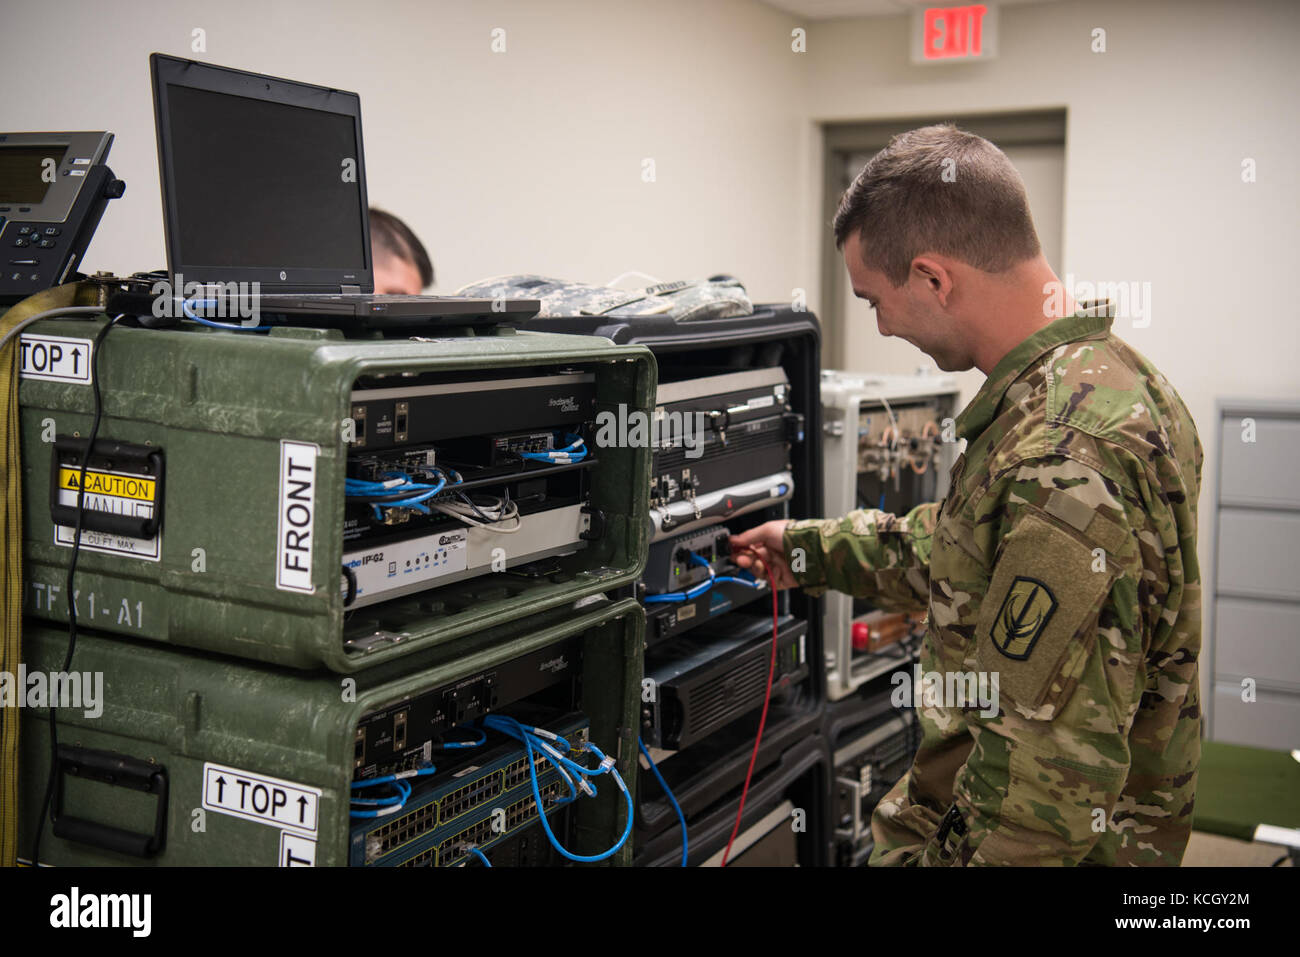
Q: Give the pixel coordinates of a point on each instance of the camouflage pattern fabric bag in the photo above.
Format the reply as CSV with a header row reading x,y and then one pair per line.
x,y
718,297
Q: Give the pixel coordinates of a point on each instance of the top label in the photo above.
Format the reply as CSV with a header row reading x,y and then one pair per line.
x,y
55,359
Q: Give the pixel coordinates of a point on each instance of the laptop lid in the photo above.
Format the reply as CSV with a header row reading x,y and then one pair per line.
x,y
263,180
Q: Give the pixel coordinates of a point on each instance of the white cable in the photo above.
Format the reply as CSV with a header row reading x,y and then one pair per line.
x,y
63,312
497,515
892,420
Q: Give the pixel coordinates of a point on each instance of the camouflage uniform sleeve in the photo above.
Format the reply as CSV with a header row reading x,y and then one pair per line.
x,y
867,553
1075,592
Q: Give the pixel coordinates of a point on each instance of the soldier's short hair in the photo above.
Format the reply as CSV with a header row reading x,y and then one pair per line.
x,y
942,190
391,236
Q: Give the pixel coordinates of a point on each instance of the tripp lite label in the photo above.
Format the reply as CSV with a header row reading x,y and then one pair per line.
x,y
297,515
257,797
55,359
117,493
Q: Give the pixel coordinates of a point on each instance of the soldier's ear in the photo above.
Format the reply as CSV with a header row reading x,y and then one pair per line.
x,y
934,277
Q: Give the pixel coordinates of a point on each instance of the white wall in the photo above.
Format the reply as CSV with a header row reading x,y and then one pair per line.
x,y
530,160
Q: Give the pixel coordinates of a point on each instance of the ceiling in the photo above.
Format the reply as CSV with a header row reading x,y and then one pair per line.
x,y
837,9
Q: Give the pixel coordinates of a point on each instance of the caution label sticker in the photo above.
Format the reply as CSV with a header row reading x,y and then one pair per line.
x,y
117,493
117,484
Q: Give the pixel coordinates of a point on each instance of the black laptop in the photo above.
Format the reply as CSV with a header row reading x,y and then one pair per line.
x,y
264,181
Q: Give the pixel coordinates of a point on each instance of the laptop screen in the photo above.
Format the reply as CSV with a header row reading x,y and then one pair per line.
x,y
263,179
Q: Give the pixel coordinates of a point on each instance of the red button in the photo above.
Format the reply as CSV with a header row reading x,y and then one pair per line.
x,y
861,636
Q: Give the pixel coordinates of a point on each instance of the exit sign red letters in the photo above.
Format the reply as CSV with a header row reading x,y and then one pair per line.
x,y
949,34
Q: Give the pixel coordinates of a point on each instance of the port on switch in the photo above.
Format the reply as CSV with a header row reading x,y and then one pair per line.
x,y
358,425
399,731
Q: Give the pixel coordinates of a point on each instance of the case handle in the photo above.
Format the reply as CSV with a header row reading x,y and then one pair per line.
x,y
118,770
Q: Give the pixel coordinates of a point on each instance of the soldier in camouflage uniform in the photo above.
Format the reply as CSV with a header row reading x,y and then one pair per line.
x,y
1063,560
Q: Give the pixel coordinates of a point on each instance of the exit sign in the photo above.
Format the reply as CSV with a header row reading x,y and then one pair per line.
x,y
955,34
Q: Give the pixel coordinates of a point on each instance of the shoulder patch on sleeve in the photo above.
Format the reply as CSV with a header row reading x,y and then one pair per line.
x,y
1037,622
1022,616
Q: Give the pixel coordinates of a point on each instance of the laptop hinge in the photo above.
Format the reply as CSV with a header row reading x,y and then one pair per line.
x,y
351,290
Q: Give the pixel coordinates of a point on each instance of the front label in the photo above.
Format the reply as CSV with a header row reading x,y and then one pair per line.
x,y
297,515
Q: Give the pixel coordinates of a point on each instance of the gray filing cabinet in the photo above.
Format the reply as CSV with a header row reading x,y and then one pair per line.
x,y
1253,612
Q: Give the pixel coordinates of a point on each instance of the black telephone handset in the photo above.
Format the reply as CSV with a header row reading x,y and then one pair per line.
x,y
53,190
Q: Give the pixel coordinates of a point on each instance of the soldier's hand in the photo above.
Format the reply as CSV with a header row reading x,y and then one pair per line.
x,y
761,548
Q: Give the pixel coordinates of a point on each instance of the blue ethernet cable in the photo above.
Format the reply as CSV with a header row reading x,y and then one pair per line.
x,y
534,738
654,768
575,451
232,326
704,586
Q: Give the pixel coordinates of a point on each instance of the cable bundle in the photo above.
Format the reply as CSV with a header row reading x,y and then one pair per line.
x,y
555,748
380,807
397,490
697,590
489,517
575,451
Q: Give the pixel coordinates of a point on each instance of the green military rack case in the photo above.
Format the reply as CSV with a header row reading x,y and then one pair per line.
x,y
219,511
197,760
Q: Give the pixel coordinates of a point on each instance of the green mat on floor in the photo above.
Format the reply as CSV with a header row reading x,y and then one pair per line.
x,y
1242,787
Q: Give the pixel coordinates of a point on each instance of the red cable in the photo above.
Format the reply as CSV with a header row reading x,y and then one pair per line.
x,y
762,722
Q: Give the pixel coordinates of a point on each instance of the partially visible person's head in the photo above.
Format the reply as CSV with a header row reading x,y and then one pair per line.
x,y
933,229
401,264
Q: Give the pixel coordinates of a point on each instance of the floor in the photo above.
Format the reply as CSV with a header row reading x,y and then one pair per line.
x,y
1211,850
